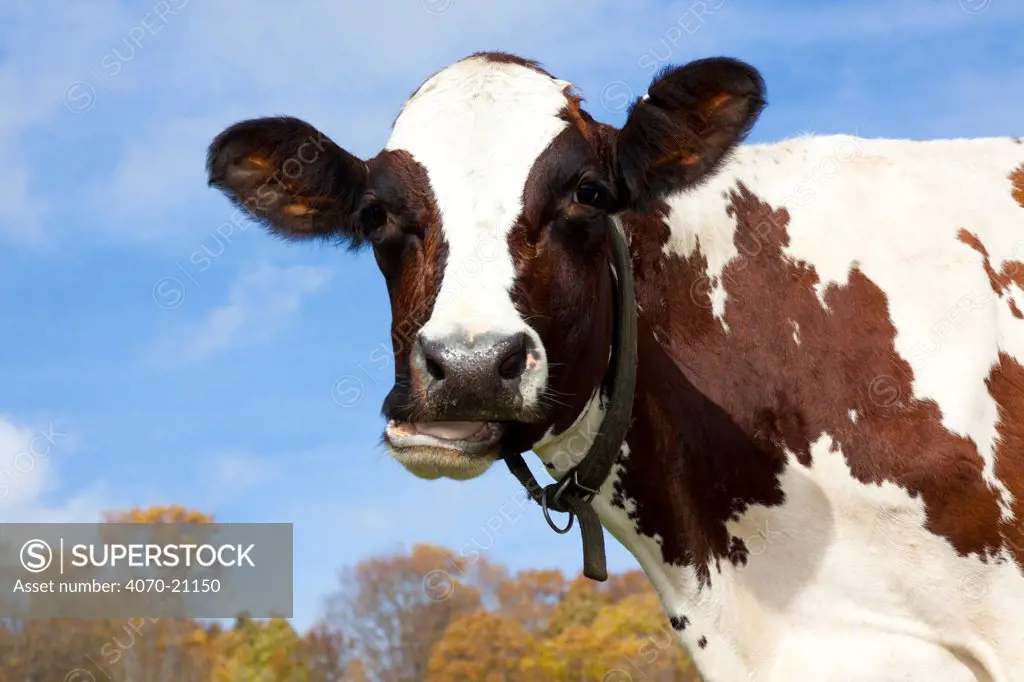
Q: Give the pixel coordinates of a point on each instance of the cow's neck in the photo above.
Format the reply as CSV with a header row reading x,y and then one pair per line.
x,y
684,470
689,467
686,467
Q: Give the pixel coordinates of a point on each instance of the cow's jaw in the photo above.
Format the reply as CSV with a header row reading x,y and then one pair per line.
x,y
457,450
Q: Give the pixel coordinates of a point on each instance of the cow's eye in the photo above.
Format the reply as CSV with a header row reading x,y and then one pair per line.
x,y
591,194
373,217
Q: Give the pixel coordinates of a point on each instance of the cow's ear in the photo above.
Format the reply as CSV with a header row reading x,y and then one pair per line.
x,y
289,176
690,118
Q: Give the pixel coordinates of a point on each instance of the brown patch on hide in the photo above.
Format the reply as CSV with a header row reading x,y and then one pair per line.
x,y
1012,272
722,407
1006,386
1017,182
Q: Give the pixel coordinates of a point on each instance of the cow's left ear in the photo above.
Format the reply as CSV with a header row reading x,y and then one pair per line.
x,y
678,133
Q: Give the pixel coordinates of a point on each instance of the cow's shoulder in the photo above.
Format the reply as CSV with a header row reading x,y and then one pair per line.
x,y
867,292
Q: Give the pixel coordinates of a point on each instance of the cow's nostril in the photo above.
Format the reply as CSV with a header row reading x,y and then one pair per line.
x,y
513,364
432,356
434,369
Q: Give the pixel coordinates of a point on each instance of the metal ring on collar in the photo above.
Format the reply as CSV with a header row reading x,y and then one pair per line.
x,y
547,513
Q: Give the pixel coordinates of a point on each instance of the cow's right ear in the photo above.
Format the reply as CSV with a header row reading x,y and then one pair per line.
x,y
289,176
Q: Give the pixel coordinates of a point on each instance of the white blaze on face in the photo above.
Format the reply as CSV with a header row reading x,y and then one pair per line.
x,y
477,127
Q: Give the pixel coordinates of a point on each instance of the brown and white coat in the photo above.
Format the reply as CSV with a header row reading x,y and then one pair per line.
x,y
824,478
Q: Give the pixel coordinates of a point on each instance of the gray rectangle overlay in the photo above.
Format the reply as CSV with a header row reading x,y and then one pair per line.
x,y
145,570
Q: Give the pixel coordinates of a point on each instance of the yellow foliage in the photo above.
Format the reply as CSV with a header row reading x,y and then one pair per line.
x,y
174,513
482,646
260,651
629,636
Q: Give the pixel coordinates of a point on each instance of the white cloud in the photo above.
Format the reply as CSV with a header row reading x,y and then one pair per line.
x,y
28,475
260,301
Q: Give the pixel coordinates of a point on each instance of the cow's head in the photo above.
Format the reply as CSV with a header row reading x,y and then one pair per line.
x,y
488,213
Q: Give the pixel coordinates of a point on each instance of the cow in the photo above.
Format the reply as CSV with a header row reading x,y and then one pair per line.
x,y
822,471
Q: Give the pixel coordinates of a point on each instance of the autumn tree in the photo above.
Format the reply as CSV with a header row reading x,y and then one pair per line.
x,y
531,596
628,639
174,513
48,649
118,649
580,605
397,607
166,525
480,647
328,654
627,584
261,651
355,671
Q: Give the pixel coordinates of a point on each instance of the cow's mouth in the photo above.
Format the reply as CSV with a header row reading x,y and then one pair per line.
x,y
453,449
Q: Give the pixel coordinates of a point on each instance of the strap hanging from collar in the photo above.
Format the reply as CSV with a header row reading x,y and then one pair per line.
x,y
574,491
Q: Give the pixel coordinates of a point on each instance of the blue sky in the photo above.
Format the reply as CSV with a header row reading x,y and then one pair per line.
x,y
173,357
